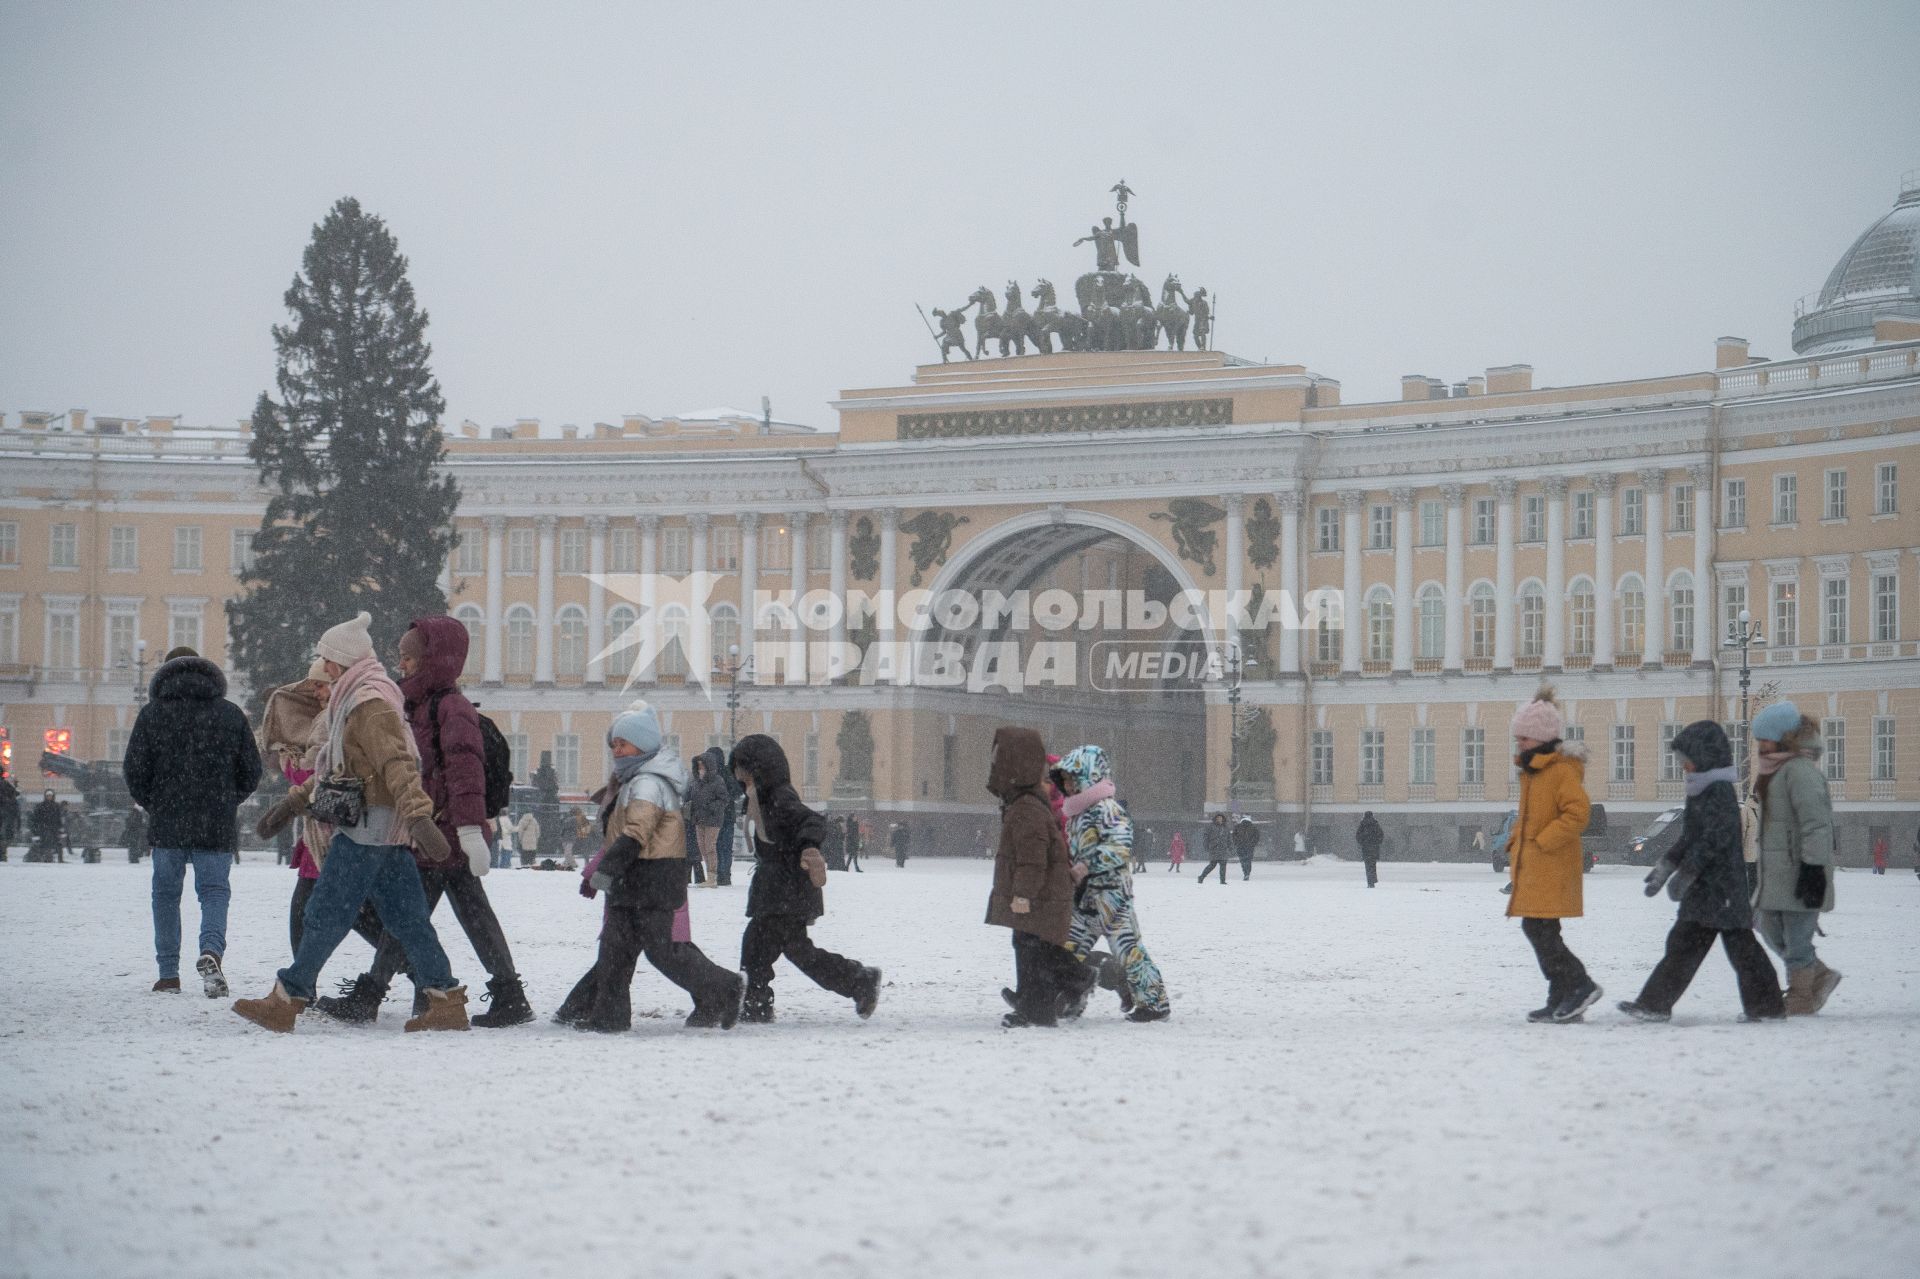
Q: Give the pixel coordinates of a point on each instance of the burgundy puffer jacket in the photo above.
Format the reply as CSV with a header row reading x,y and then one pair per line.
x,y
454,776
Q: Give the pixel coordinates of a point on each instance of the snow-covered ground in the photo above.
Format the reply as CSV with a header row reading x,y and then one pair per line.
x,y
1347,1088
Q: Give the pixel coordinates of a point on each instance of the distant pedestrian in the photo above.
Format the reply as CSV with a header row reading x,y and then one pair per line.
x,y
48,828
1880,855
708,797
1246,838
902,841
527,831
1545,853
9,813
191,762
1369,836
851,840
1142,845
1796,850
1217,842
1300,845
1176,852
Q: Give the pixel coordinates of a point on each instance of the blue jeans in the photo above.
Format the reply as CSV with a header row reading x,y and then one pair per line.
x,y
1789,934
355,873
210,872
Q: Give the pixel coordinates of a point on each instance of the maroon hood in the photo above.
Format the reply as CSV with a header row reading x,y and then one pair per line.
x,y
446,657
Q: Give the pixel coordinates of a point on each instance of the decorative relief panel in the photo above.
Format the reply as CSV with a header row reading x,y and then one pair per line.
x,y
1138,416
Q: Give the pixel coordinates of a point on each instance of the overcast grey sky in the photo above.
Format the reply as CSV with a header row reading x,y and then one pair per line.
x,y
661,208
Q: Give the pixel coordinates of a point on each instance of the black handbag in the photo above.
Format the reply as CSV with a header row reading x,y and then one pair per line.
x,y
340,800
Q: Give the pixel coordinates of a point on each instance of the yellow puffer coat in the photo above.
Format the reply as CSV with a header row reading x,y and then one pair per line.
x,y
1545,845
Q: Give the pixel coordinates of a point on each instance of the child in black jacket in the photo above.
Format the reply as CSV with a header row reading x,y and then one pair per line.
x,y
785,897
1706,873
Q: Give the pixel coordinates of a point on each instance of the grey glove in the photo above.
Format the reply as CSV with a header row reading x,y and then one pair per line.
x,y
1657,877
1677,886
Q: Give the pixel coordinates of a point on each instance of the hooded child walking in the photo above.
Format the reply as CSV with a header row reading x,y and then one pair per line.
x,y
1032,877
1100,838
785,896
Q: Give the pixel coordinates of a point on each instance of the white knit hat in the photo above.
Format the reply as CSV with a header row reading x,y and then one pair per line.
x,y
348,642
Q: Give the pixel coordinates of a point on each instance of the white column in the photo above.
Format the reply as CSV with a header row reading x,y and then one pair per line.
x,y
889,579
1503,610
649,526
1288,500
749,583
1556,646
699,651
1236,504
1706,593
1352,611
596,598
1402,579
543,606
1456,602
1603,487
837,570
496,596
1653,483
797,546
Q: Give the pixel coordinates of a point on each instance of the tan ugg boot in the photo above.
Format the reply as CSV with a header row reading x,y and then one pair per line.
x,y
277,1012
1800,992
1824,980
446,1010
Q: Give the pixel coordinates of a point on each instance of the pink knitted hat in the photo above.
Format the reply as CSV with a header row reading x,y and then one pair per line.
x,y
1540,718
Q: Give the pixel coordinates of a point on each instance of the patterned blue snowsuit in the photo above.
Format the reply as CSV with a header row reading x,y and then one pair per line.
x,y
1100,837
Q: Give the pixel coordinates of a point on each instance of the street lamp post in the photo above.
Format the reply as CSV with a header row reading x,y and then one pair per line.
x,y
733,668
1232,666
139,664
1742,633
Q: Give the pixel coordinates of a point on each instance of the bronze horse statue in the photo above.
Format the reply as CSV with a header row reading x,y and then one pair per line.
x,y
1049,320
1173,316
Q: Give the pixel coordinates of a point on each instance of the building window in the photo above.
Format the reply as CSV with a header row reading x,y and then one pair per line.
x,y
240,551
819,546
1886,608
1379,625
1533,518
570,643
9,544
675,632
1583,513
1433,523
1326,645
1786,614
1683,508
1473,756
1433,622
1326,526
123,640
1321,749
469,617
725,632
1480,625
1886,488
1420,758
1575,733
1580,617
471,555
573,550
9,633
519,652
63,546
1833,610
776,548
1833,742
620,661
623,550
519,550
1380,528
1373,756
1533,620
517,749
1670,770
183,627
63,639
1622,753
1680,615
676,549
1733,504
123,549
566,760
1883,748
1633,512
1633,615
1836,508
1733,600
723,549
186,549
1483,521
1786,499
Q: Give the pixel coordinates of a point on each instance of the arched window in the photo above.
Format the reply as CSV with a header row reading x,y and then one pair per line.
x,y
674,637
1680,613
1380,625
1433,621
519,640
469,616
620,661
570,643
726,633
1580,618
1533,620
1480,620
1633,615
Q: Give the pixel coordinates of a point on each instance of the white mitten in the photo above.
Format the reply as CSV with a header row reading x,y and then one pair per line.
x,y
474,845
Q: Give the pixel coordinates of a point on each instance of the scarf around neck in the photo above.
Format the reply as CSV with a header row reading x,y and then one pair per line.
x,y
1074,805
365,681
1697,782
1767,763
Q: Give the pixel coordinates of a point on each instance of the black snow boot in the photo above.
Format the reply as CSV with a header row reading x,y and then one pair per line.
x,y
866,992
1113,976
757,1005
722,1012
1578,1000
509,1004
1640,1012
1143,1013
358,1001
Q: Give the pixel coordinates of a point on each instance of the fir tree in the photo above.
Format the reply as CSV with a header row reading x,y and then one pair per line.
x,y
360,513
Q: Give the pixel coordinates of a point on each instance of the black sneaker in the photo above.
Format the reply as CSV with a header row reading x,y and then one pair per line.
x,y
1581,998
211,977
866,992
1640,1012
1142,1013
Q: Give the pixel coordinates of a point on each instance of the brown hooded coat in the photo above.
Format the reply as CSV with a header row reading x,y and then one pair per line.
x,y
1031,860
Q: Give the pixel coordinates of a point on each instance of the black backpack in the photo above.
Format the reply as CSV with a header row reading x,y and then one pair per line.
x,y
495,754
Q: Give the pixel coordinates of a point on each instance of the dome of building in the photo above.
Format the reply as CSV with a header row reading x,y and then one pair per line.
x,y
1878,276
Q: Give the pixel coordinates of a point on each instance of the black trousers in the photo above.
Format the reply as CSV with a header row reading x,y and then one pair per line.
x,y
768,937
1687,947
463,889
603,998
1246,865
1041,972
1373,871
1221,862
1563,969
367,925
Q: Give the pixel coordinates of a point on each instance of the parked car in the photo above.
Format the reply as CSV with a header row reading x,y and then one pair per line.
x,y
1651,844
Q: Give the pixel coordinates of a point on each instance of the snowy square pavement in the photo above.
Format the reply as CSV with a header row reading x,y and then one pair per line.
x,y
1347,1088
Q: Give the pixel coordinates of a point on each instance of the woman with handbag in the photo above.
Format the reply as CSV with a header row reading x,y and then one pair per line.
x,y
1796,850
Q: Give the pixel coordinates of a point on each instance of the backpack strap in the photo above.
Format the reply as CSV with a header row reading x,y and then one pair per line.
x,y
433,717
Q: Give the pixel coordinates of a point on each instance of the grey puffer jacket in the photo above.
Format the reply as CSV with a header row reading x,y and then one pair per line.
x,y
1796,826
710,795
